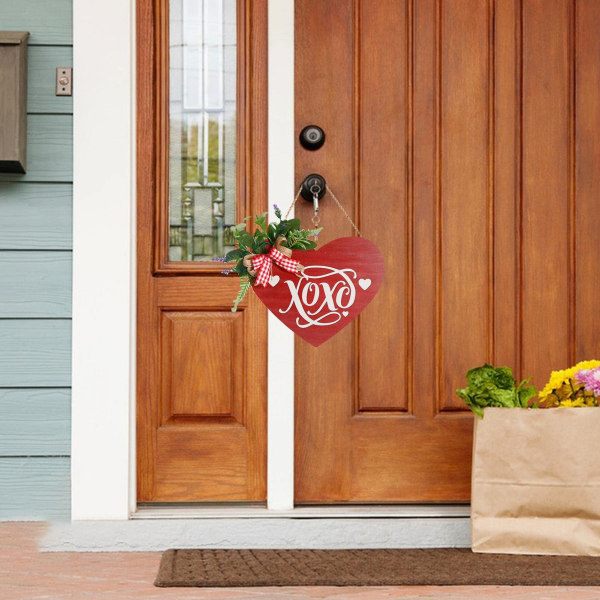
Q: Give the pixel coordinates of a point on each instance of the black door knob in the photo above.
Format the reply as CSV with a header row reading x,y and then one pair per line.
x,y
312,137
313,185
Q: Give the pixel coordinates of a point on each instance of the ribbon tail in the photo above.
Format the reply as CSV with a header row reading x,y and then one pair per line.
x,y
264,266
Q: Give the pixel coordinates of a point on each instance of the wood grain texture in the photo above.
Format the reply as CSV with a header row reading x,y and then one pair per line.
x,y
183,456
35,353
35,284
49,149
587,176
381,180
35,422
464,203
36,216
505,183
202,368
50,22
35,488
547,227
41,81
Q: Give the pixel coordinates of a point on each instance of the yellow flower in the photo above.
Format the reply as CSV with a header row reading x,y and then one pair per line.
x,y
559,384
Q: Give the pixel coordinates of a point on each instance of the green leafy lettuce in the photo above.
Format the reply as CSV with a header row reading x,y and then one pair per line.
x,y
494,386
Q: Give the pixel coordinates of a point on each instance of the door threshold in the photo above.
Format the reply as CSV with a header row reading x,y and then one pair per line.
x,y
337,511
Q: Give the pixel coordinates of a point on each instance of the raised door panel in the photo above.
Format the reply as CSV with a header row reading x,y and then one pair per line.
x,y
548,201
209,440
464,194
202,366
382,52
587,175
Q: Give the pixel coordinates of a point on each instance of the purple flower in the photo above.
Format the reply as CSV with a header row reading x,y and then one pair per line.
x,y
226,271
275,208
590,379
219,259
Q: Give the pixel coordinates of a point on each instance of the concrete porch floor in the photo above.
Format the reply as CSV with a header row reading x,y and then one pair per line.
x,y
27,574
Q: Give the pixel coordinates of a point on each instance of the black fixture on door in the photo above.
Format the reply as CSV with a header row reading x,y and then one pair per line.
x,y
312,137
313,185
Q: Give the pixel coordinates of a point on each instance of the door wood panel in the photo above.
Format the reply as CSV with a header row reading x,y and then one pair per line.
x,y
586,175
202,366
201,376
547,194
462,137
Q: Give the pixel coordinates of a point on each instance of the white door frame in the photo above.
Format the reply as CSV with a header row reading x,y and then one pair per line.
x,y
104,259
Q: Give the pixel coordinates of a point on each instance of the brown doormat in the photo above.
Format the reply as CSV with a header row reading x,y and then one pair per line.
x,y
438,566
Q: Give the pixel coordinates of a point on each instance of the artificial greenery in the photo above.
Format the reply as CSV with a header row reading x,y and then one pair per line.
x,y
261,242
495,386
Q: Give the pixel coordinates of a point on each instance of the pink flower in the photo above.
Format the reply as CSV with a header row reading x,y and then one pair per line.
x,y
590,379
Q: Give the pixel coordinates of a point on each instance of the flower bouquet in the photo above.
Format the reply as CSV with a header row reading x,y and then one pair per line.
x,y
534,478
275,241
575,387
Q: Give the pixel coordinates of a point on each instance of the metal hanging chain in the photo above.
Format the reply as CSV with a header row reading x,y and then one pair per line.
x,y
316,219
343,210
289,210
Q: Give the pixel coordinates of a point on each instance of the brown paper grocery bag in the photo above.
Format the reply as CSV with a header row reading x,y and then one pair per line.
x,y
536,481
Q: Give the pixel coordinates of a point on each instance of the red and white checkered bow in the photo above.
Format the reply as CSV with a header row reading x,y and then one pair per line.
x,y
263,263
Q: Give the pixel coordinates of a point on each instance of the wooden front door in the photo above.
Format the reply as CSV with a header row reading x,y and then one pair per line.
x,y
463,137
201,152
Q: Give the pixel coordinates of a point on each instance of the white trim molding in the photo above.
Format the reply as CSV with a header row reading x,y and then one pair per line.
x,y
280,435
103,258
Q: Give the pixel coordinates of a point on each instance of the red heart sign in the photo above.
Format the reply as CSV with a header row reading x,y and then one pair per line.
x,y
338,281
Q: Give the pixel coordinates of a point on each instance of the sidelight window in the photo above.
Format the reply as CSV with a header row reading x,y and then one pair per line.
x,y
202,128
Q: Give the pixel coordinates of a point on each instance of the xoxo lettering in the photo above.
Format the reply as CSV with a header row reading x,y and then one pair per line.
x,y
321,295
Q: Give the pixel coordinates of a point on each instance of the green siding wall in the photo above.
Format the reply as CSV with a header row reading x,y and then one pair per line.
x,y
35,280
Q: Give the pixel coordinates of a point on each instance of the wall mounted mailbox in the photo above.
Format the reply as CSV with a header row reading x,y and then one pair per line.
x,y
13,101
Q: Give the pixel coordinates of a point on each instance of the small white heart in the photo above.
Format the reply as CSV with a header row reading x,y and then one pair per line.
x,y
345,313
274,280
365,284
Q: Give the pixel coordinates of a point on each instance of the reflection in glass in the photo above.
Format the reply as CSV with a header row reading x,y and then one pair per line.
x,y
202,128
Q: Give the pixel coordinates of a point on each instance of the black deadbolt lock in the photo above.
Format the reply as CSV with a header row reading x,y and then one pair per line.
x,y
313,185
312,137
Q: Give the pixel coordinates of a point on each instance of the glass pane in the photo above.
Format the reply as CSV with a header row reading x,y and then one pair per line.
x,y
202,117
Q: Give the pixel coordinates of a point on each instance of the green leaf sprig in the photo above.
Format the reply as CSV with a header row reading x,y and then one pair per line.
x,y
495,386
261,242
